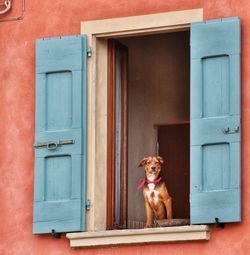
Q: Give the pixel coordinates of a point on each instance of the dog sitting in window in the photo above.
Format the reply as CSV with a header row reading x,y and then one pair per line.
x,y
155,192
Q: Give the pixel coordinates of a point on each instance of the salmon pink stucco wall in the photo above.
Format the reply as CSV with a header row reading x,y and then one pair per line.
x,y
17,96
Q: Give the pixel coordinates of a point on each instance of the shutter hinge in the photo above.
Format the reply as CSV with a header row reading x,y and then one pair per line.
x,y
89,52
87,205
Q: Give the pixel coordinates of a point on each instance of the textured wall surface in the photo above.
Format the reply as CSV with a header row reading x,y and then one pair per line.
x,y
17,92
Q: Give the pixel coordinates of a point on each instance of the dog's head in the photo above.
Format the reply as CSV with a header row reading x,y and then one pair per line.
x,y
152,166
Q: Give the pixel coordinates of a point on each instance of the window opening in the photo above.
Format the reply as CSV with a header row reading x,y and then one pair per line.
x,y
157,101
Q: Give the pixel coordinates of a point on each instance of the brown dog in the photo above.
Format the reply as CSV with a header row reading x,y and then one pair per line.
x,y
155,192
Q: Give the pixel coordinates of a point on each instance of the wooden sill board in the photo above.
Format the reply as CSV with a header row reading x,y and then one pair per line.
x,y
139,236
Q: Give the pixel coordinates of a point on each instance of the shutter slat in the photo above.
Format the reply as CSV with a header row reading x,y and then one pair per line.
x,y
215,108
59,187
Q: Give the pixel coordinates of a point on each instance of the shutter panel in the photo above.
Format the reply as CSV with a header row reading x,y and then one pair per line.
x,y
59,189
215,121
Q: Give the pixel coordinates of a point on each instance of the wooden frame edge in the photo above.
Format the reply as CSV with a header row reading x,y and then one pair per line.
x,y
111,122
110,215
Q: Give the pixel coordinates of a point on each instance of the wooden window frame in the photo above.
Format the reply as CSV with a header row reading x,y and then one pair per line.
x,y
98,32
113,46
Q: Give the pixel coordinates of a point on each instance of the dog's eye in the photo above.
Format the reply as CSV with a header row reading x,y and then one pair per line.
x,y
148,161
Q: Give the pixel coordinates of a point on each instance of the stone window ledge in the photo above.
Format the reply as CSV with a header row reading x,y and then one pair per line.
x,y
139,236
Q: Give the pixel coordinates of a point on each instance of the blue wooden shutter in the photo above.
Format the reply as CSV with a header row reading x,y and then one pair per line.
x,y
60,135
215,121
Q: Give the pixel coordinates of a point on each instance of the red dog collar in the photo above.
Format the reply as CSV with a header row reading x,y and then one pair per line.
x,y
143,181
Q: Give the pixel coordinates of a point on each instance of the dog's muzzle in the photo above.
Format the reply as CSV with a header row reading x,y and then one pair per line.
x,y
152,169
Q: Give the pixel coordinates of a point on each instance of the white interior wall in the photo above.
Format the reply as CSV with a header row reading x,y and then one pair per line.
x,y
158,93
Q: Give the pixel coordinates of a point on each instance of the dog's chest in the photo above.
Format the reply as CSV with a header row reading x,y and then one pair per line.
x,y
152,194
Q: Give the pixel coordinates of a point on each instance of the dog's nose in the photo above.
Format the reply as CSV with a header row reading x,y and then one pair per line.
x,y
153,168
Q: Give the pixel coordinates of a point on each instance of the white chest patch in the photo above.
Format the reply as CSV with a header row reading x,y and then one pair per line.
x,y
152,198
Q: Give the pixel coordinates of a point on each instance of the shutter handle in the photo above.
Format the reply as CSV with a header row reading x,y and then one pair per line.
x,y
236,129
52,145
226,130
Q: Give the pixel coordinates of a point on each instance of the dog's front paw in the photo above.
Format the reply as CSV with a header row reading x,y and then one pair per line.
x,y
148,225
169,221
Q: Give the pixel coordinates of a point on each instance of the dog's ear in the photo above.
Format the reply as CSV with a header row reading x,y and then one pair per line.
x,y
160,159
143,162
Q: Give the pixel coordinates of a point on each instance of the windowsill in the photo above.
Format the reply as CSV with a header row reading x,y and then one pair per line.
x,y
139,236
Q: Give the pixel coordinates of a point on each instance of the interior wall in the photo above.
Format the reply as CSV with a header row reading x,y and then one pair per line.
x,y
158,93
